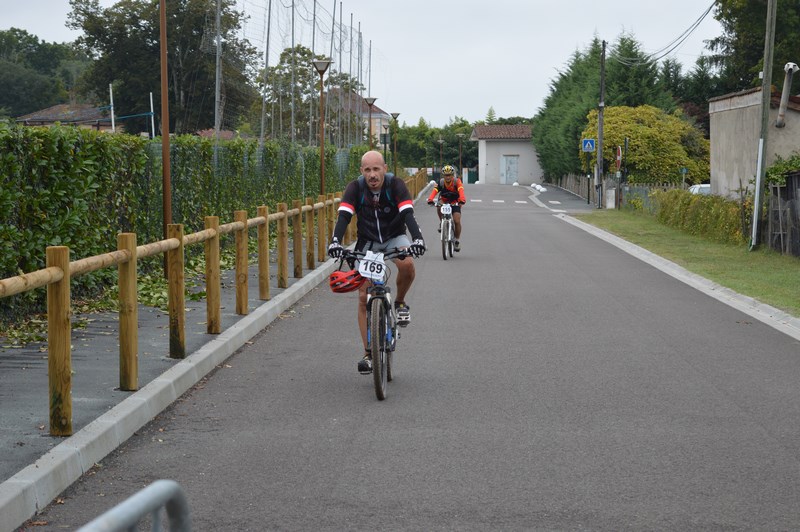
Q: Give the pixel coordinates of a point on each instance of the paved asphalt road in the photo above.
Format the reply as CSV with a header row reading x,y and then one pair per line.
x,y
549,380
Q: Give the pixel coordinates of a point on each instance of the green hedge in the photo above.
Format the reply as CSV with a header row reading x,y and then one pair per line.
x,y
80,188
713,217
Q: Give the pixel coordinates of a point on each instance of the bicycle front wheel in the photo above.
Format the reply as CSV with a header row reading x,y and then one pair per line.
x,y
451,241
377,346
445,237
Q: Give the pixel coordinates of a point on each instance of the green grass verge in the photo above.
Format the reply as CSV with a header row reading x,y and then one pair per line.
x,y
762,274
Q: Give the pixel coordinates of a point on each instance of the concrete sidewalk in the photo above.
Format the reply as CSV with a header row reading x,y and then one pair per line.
x,y
35,467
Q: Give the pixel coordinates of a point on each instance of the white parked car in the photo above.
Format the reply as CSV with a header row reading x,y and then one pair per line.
x,y
700,189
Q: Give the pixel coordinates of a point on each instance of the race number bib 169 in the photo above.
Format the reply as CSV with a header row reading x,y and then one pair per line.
x,y
372,266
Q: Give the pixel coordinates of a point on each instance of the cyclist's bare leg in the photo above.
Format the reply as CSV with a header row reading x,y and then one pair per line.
x,y
362,314
405,276
457,220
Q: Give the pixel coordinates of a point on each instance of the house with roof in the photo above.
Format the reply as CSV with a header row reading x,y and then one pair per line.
x,y
506,155
80,115
735,131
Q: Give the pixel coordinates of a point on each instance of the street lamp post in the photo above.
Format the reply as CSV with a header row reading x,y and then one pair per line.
x,y
370,102
394,154
385,139
321,66
441,149
460,166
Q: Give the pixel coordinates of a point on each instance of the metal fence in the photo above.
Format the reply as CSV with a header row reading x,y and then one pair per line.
x,y
783,218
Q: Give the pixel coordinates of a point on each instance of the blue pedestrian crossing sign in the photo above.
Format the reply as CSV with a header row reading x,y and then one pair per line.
x,y
588,145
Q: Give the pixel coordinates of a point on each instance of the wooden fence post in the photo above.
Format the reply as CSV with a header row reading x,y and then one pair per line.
x,y
263,254
322,220
241,263
297,239
59,342
213,282
177,300
331,217
310,259
128,316
283,247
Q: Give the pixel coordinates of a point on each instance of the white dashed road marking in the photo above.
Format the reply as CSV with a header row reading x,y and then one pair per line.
x,y
498,201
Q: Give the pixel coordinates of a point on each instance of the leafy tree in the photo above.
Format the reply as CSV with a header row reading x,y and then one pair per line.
x,y
513,120
38,74
739,51
660,143
491,116
124,41
291,81
30,90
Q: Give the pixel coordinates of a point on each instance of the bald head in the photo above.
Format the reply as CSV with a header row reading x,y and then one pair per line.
x,y
373,168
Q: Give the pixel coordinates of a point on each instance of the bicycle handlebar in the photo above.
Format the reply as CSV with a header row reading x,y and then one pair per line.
x,y
394,253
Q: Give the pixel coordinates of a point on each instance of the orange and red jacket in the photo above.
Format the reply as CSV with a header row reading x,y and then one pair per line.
x,y
454,193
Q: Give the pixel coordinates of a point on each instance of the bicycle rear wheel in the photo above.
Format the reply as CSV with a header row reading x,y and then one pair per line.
x,y
377,346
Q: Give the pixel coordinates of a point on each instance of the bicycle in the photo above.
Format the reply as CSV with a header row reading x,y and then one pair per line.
x,y
382,329
447,228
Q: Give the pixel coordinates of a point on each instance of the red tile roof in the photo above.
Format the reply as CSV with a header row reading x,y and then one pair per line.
x,y
501,132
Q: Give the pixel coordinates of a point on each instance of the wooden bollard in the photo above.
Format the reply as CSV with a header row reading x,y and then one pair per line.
x,y
297,239
283,247
59,344
263,254
128,316
213,279
310,259
331,218
176,297
241,263
322,220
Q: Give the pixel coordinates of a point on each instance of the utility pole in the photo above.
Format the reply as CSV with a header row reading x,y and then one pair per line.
x,y
598,178
766,95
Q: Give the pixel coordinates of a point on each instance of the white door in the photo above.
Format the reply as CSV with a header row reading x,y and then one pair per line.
x,y
509,169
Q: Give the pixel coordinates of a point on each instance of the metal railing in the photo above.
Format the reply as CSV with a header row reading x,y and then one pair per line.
x,y
166,494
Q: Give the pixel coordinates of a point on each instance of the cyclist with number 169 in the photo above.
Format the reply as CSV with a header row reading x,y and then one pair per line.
x,y
450,190
385,209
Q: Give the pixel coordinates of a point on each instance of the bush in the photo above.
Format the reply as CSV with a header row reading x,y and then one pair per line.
x,y
713,217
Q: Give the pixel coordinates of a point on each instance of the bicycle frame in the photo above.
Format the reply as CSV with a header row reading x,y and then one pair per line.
x,y
447,226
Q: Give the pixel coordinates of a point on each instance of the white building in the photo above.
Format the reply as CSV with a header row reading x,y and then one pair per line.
x,y
506,155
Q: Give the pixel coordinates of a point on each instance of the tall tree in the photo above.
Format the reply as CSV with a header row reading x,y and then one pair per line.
x,y
37,74
739,51
124,41
632,77
559,123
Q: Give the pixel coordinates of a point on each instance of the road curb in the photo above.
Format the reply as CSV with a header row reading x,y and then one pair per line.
x,y
33,488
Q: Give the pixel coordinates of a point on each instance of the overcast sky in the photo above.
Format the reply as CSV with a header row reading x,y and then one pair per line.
x,y
441,59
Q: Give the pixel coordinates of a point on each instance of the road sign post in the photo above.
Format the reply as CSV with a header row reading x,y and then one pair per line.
x,y
587,145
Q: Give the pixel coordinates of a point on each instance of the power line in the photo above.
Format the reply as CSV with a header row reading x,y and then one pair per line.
x,y
666,50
